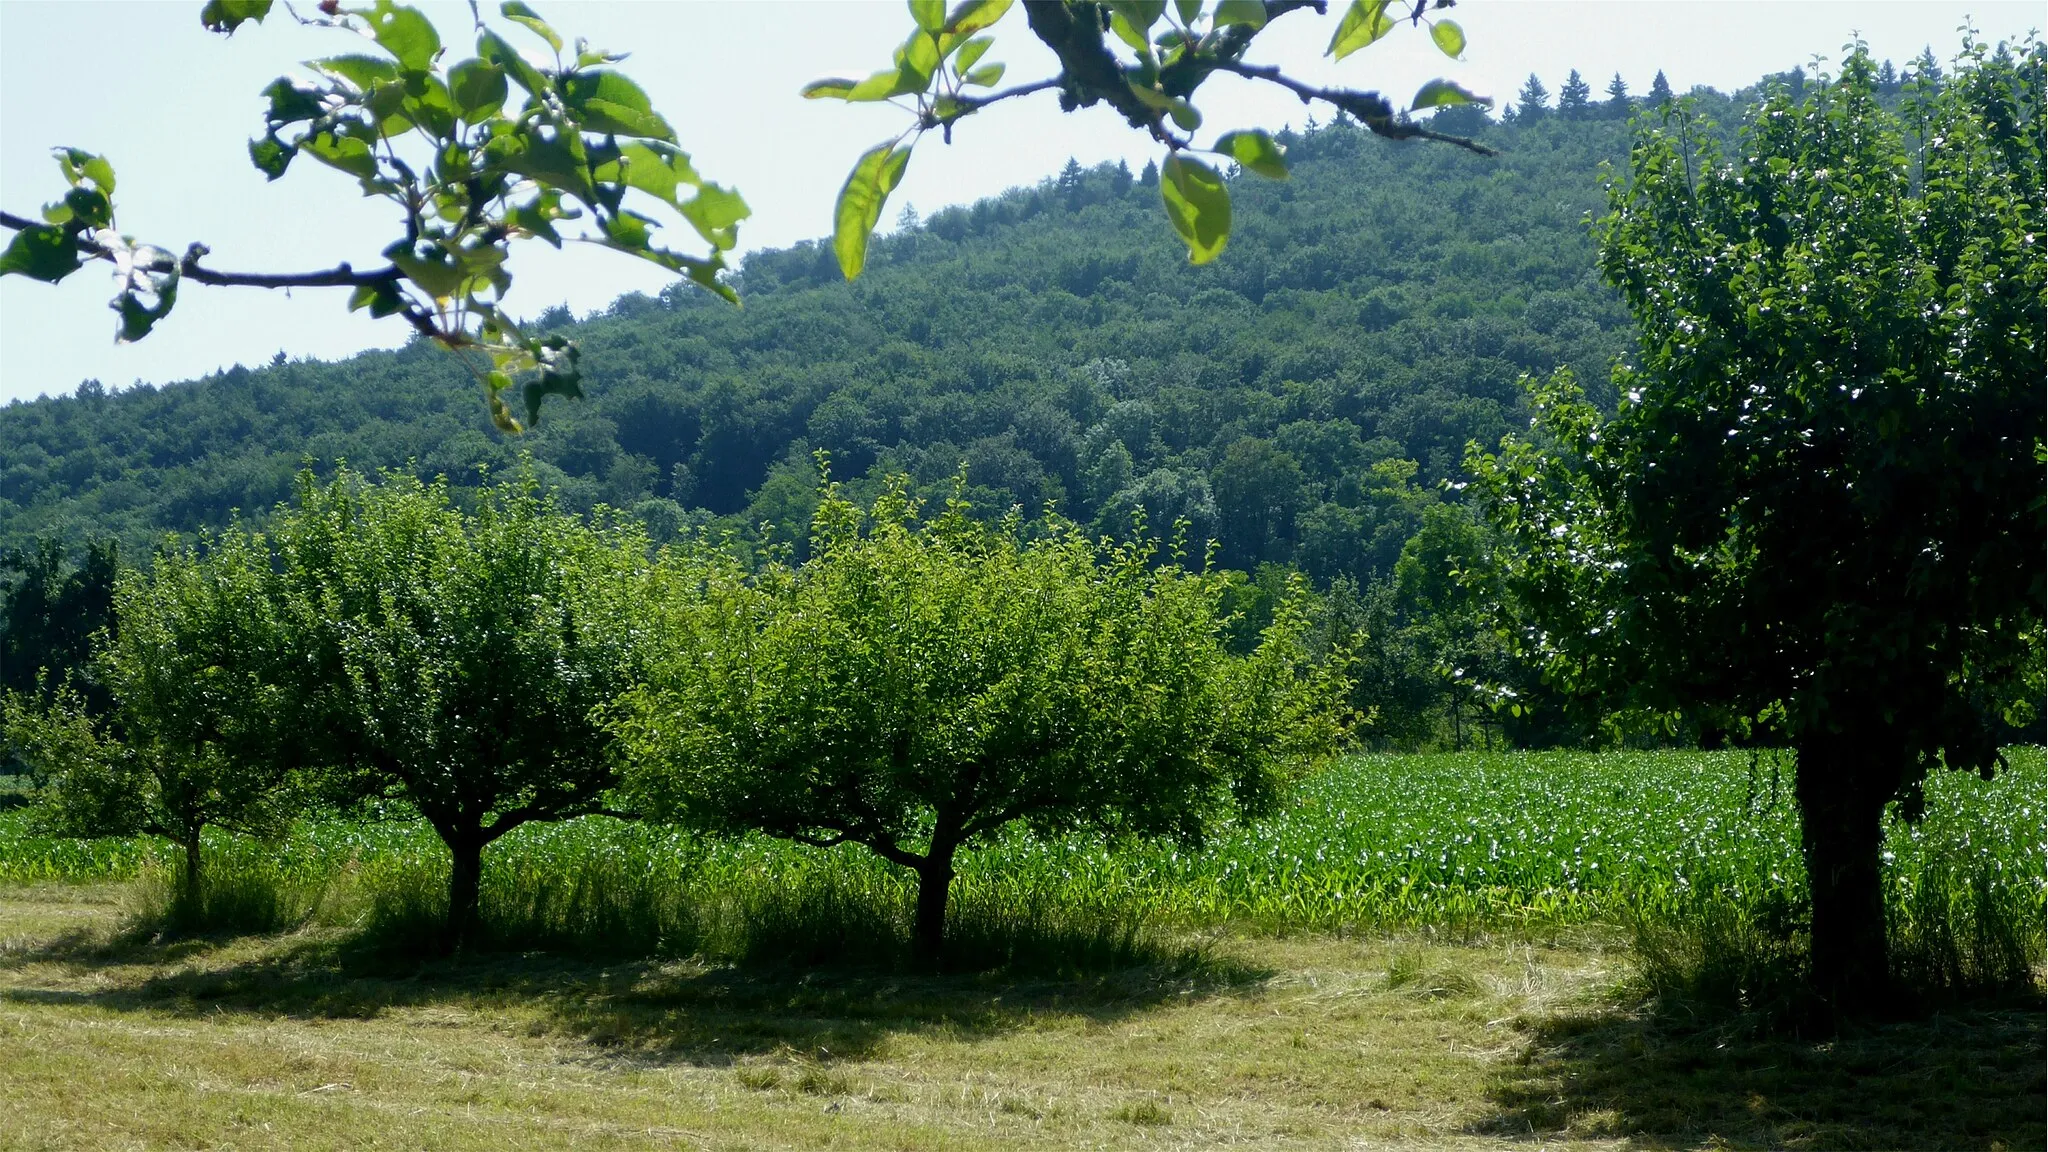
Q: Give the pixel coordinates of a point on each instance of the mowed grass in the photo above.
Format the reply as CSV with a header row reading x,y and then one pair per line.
x,y
1442,951
1258,1041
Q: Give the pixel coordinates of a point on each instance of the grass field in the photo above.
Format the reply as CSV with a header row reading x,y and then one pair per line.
x,y
1448,951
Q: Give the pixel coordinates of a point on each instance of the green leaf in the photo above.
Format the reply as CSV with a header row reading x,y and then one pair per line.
x,y
77,164
478,88
138,318
1197,205
918,60
46,254
1442,93
1364,22
658,170
971,16
929,14
271,156
1255,151
716,212
499,51
364,72
972,51
406,33
1130,34
381,298
519,13
986,76
832,88
1449,37
860,204
1140,14
89,207
347,153
608,102
1251,13
554,163
228,15
1184,114
1189,11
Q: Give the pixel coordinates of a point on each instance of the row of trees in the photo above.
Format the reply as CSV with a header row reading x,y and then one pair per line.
x,y
917,685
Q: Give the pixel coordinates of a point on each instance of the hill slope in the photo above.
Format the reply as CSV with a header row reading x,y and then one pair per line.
x,y
1378,307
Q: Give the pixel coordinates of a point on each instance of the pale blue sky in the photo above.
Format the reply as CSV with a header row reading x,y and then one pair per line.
x,y
172,106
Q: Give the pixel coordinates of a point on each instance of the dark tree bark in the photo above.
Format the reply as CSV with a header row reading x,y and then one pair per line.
x,y
1842,792
465,876
934,883
192,886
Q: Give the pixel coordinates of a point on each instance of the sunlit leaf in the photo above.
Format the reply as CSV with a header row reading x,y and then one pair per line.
x,y
1255,151
716,212
519,13
929,14
860,204
1449,37
971,16
1443,93
1251,13
971,52
833,88
1364,22
986,76
1197,205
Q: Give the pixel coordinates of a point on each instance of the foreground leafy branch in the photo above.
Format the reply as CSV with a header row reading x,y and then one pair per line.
x,y
936,69
474,154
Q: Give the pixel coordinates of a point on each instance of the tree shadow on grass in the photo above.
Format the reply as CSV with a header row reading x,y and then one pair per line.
x,y
1658,1078
647,1010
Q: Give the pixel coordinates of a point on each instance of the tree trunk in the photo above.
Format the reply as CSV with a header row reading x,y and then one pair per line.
x,y
465,875
191,878
1841,807
934,881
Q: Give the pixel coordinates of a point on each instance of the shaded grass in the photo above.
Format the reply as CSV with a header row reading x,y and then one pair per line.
x,y
1663,1073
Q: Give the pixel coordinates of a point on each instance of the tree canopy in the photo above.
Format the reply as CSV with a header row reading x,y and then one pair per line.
x,y
1816,515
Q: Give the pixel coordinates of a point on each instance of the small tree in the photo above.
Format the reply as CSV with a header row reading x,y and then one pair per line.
x,y
199,731
1817,515
1530,103
455,659
916,690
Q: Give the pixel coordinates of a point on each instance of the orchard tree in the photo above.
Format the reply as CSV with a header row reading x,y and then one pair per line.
x,y
476,152
457,659
1817,514
916,689
200,731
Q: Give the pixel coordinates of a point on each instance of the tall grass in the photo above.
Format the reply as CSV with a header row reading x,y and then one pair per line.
x,y
1698,852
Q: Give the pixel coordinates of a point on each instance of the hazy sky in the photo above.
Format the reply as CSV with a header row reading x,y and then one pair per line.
x,y
172,106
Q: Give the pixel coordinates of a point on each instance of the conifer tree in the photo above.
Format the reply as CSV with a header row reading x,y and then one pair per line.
x,y
1574,100
1618,104
1532,100
1660,90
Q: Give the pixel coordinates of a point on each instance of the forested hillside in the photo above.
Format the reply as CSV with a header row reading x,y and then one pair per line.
x,y
1377,308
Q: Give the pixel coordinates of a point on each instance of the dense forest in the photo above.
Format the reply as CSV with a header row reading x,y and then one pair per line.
x,y
1304,401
